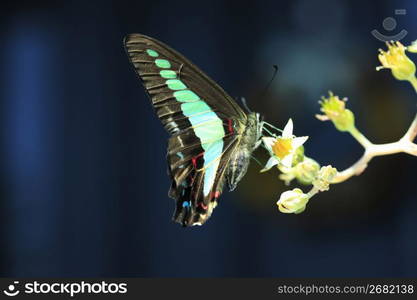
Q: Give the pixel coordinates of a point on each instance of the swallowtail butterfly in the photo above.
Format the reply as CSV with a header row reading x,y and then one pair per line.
x,y
211,137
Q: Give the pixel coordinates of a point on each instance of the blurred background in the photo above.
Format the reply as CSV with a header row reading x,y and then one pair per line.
x,y
83,171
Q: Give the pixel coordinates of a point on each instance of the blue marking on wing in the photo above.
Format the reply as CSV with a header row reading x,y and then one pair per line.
x,y
208,127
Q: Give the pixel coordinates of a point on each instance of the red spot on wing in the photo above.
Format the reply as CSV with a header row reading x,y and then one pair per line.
x,y
203,206
230,126
214,195
195,158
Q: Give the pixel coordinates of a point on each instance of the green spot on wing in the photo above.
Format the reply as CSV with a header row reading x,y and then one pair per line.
x,y
168,74
193,108
186,96
208,127
175,84
152,53
162,63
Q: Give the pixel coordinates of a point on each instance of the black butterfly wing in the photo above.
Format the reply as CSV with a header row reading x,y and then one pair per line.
x,y
193,206
173,66
205,124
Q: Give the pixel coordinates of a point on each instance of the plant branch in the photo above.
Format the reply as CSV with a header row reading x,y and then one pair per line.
x,y
412,131
360,137
404,145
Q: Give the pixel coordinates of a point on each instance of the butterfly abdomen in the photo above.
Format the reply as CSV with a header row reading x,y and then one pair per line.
x,y
239,161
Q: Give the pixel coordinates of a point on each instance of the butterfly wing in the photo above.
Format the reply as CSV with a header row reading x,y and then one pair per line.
x,y
204,122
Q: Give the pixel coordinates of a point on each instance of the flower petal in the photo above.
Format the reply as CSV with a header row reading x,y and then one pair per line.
x,y
299,211
271,162
287,132
269,142
287,160
299,141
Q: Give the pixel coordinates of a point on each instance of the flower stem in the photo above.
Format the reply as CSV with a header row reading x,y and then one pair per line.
x,y
405,144
355,169
312,192
360,137
412,131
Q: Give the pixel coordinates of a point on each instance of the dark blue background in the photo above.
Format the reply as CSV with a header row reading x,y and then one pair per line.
x,y
83,181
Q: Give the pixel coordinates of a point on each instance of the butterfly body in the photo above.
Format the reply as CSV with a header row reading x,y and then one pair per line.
x,y
212,138
239,161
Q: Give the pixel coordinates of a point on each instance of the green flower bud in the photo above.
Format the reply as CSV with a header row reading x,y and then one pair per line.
x,y
334,110
401,66
298,156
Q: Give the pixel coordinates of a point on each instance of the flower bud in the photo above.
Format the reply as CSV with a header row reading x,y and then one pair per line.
x,y
287,176
306,171
334,109
413,47
324,178
298,156
401,66
293,201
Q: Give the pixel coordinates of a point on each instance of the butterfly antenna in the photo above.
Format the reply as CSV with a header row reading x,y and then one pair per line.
x,y
245,104
270,126
257,161
265,91
267,130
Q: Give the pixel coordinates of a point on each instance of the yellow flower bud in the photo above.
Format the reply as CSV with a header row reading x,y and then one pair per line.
x,y
335,110
292,201
324,178
413,47
401,66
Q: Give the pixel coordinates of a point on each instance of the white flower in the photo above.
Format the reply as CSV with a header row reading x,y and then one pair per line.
x,y
283,148
293,201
